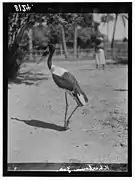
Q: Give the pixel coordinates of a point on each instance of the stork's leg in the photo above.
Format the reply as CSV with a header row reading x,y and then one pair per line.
x,y
68,120
65,123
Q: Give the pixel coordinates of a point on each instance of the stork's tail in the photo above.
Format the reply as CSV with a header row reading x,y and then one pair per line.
x,y
81,98
85,97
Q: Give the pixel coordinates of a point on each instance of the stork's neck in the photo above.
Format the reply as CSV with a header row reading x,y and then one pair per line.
x,y
49,61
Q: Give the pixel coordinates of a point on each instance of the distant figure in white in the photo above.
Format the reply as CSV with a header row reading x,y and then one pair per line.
x,y
99,52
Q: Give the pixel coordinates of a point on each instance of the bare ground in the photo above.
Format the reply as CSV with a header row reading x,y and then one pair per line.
x,y
98,131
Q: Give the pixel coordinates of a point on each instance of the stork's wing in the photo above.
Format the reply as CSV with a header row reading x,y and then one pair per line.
x,y
66,81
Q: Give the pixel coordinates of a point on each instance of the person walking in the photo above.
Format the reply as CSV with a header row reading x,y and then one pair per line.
x,y
99,52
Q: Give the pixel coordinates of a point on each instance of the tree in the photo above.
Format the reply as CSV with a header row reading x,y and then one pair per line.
x,y
30,44
112,44
106,19
64,41
13,65
78,20
41,36
124,17
75,42
72,22
57,28
57,24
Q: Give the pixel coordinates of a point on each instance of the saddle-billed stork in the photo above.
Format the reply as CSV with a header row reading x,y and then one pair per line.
x,y
68,82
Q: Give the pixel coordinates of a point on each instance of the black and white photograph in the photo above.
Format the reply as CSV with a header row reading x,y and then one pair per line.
x,y
67,86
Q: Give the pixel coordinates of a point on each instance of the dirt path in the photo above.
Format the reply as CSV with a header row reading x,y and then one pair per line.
x,y
98,131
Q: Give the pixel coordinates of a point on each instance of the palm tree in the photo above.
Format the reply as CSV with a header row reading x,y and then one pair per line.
x,y
61,50
123,17
30,44
75,42
64,41
59,19
113,43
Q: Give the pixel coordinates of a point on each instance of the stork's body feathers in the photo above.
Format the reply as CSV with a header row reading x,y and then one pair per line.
x,y
59,71
68,82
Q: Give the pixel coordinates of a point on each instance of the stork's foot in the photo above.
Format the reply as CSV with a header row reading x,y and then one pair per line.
x,y
66,126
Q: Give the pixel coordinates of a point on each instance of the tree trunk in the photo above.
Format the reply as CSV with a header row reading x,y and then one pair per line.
x,y
108,31
75,43
15,32
113,42
30,45
124,23
78,52
64,42
61,50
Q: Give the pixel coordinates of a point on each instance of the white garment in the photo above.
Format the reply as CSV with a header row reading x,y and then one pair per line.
x,y
100,57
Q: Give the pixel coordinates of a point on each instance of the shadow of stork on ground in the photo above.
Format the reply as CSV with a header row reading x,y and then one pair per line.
x,y
41,124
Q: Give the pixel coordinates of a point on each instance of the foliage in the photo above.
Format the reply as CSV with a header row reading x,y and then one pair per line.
x,y
78,30
47,28
51,32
